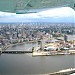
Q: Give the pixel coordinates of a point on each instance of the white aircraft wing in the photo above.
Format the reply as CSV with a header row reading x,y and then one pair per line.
x,y
33,6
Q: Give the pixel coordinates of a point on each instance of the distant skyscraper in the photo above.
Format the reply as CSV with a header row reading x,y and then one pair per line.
x,y
65,38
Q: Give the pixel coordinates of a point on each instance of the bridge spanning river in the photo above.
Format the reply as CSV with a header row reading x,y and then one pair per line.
x,y
16,51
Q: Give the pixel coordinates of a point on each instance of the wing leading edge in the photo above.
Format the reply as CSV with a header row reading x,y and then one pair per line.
x,y
33,6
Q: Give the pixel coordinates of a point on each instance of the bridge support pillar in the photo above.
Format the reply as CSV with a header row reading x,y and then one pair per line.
x,y
0,51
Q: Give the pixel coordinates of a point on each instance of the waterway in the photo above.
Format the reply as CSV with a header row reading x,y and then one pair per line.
x,y
25,64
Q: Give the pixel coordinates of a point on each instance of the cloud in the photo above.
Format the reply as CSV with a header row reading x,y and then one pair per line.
x,y
6,14
57,12
63,14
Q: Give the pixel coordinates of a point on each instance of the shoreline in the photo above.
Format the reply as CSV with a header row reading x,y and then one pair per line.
x,y
49,54
38,53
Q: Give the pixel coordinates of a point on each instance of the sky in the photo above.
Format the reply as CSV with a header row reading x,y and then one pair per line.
x,y
62,14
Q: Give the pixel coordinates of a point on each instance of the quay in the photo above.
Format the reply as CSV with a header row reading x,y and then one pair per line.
x,y
42,53
16,52
64,72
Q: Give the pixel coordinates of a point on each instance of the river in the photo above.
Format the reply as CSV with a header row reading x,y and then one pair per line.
x,y
23,64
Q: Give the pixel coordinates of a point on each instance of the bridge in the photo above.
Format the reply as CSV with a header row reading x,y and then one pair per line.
x,y
16,52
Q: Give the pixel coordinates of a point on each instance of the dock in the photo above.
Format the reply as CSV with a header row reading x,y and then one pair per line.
x,y
43,53
16,52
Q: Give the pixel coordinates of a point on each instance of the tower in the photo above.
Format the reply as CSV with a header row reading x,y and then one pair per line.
x,y
65,38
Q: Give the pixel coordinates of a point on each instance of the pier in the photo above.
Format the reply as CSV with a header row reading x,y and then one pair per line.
x,y
43,53
16,52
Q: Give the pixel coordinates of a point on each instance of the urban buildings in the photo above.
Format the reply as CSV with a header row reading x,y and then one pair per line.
x,y
20,32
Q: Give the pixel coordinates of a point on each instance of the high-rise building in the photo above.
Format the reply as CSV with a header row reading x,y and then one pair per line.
x,y
65,38
42,44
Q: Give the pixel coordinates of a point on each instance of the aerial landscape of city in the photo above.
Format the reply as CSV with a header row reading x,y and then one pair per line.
x,y
37,37
61,34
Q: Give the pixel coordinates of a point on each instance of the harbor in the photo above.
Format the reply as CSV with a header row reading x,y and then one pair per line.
x,y
25,63
54,47
48,50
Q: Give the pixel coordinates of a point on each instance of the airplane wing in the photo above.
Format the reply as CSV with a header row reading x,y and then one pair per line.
x,y
33,6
